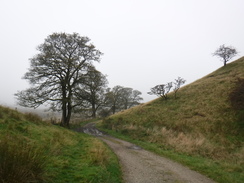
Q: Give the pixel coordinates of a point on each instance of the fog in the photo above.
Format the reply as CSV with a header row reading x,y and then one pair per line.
x,y
144,42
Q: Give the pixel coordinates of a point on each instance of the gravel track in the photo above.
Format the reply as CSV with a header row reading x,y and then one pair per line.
x,y
141,166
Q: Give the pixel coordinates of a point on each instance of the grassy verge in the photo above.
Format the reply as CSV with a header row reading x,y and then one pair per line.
x,y
33,151
86,160
219,171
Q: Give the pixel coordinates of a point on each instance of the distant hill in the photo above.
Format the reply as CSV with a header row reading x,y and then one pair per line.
x,y
206,119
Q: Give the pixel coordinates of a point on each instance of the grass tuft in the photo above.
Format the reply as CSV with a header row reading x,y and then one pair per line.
x,y
99,153
34,118
20,161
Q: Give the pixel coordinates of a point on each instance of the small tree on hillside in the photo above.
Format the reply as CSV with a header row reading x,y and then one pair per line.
x,y
161,90
225,53
177,84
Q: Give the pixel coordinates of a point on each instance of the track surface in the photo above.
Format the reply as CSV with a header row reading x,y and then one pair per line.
x,y
141,166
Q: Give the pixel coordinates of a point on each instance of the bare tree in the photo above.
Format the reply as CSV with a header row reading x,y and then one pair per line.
x,y
119,98
58,68
135,98
225,53
91,91
130,98
161,90
113,98
177,84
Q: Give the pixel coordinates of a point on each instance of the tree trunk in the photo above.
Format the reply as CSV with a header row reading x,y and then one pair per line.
x,y
113,109
66,114
225,62
93,111
69,114
66,108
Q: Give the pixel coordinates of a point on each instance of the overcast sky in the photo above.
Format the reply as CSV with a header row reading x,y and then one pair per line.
x,y
145,42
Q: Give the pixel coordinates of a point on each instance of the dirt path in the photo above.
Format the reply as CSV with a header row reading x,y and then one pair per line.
x,y
141,166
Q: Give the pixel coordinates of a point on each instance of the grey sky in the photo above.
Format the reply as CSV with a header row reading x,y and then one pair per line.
x,y
145,42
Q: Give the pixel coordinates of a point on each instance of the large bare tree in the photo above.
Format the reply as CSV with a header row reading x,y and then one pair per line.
x,y
55,72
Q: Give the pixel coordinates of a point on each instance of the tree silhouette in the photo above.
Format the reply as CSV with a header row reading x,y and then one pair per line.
x,y
225,53
59,67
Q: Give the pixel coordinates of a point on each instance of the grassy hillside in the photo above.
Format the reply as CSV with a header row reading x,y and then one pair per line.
x,y
205,120
32,151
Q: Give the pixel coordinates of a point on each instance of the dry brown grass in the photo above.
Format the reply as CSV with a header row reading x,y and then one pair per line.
x,y
98,153
200,121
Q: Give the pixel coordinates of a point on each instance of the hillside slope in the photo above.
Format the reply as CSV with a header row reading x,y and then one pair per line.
x,y
34,151
206,119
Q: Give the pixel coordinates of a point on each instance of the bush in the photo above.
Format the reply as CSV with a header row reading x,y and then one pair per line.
x,y
20,162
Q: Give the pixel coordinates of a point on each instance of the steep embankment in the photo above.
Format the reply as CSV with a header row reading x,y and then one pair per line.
x,y
34,151
206,120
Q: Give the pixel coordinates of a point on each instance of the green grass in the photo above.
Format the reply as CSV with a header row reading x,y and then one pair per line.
x,y
34,151
201,126
79,163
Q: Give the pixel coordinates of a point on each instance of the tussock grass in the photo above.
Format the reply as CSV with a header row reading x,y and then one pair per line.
x,y
200,122
99,154
20,161
34,118
40,152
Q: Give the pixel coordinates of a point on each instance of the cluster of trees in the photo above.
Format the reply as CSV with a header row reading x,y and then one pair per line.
x,y
162,90
100,100
122,98
63,76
